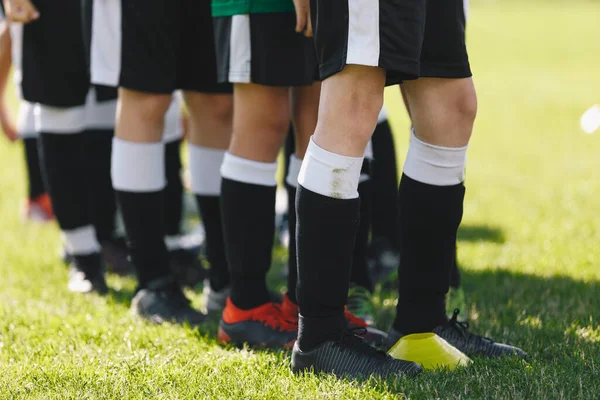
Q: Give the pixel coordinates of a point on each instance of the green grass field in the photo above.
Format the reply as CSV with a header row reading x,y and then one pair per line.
x,y
529,246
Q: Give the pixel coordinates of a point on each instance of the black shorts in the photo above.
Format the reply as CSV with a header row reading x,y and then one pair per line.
x,y
49,57
264,49
154,46
407,38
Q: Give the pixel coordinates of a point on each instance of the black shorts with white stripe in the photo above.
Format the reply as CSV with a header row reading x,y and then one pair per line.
x,y
49,57
154,46
264,49
407,38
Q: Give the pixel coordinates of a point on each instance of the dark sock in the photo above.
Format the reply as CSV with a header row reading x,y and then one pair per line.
x,y
144,224
103,203
325,235
429,217
248,222
34,172
210,212
360,272
174,189
292,278
385,184
62,159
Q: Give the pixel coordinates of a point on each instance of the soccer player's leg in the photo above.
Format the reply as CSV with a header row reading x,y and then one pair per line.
x,y
278,59
443,106
146,72
327,204
210,106
248,197
210,128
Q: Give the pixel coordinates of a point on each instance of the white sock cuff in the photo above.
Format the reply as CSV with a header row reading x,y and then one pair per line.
x,y
248,171
383,115
205,169
138,167
81,241
293,171
330,174
435,165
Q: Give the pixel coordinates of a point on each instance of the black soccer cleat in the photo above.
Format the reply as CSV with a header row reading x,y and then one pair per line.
x,y
457,334
86,274
163,301
351,357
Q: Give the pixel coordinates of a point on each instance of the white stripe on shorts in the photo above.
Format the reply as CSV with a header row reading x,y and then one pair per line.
x,y
240,56
363,33
106,42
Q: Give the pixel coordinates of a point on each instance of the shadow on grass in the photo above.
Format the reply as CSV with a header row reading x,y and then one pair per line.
x,y
480,233
500,300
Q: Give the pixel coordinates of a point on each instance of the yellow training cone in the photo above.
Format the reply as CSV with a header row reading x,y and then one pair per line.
x,y
430,351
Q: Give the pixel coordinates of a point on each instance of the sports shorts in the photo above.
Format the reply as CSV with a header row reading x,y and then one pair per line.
x,y
154,46
409,39
264,49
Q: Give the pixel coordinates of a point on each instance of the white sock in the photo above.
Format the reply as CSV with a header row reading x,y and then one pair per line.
x,y
435,165
138,167
81,241
248,171
330,174
293,171
205,169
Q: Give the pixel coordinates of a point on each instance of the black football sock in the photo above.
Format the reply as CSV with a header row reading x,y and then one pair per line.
x,y
385,184
103,203
360,272
289,148
173,196
429,217
138,176
34,172
325,235
62,156
210,212
248,217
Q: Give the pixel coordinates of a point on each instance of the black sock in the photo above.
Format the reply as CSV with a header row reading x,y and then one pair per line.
x,y
63,160
325,235
360,272
385,184
34,172
103,203
249,228
292,278
144,223
174,189
210,212
429,217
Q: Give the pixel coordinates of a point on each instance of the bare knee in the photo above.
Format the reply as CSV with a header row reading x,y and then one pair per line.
x,y
140,116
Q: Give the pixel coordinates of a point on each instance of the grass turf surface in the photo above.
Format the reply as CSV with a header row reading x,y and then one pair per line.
x,y
529,248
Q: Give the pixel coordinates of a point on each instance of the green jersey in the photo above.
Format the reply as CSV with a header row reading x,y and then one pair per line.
x,y
226,8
